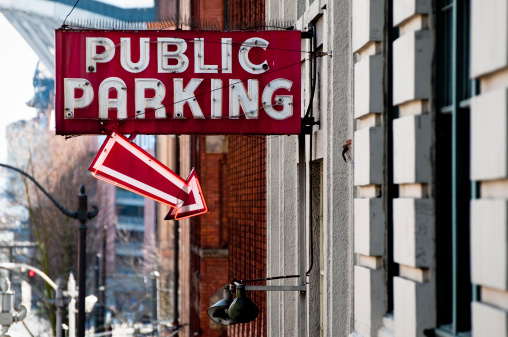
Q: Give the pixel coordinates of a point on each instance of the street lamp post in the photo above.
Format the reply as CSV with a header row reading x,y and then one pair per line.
x,y
82,214
59,300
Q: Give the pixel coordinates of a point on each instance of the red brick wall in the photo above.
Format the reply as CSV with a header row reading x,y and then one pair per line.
x,y
235,191
244,14
166,9
247,192
210,173
208,14
247,222
208,266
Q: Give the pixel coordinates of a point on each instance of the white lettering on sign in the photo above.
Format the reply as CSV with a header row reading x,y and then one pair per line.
x,y
248,101
70,101
246,98
285,100
243,55
144,55
227,58
92,57
163,55
155,103
199,58
183,96
149,93
119,103
216,105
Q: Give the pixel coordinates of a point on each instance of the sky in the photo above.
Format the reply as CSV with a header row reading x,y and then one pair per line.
x,y
18,62
129,3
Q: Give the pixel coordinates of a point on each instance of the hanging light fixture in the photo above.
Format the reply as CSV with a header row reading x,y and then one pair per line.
x,y
242,310
219,311
228,312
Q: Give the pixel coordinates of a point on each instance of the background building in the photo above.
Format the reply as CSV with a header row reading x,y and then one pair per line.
x,y
131,241
130,236
413,248
391,209
230,240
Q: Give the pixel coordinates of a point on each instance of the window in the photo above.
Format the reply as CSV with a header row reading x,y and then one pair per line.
x,y
453,187
130,211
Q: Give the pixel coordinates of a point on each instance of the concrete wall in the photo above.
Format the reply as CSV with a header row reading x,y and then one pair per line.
x,y
331,277
412,213
489,167
369,217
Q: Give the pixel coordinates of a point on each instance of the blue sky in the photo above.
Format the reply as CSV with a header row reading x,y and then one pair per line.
x,y
16,74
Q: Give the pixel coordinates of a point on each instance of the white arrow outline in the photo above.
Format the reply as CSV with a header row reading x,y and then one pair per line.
x,y
175,202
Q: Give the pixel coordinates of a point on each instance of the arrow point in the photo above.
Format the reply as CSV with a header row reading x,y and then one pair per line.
x,y
194,201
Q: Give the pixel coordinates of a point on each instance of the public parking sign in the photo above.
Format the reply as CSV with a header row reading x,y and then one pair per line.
x,y
177,82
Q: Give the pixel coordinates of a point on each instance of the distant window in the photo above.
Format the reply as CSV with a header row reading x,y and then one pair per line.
x,y
131,211
453,187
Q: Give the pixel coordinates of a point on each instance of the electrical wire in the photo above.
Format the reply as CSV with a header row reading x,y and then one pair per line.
x,y
63,23
310,111
26,327
264,279
113,121
312,51
232,43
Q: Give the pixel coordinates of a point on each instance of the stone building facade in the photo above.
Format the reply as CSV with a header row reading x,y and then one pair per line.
x,y
412,232
392,209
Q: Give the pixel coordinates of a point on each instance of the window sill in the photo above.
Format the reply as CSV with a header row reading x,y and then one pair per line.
x,y
443,331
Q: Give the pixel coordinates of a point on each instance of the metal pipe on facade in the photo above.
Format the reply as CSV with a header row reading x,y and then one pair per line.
x,y
82,215
176,245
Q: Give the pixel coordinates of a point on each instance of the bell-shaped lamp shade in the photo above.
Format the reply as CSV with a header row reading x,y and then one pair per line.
x,y
242,310
219,311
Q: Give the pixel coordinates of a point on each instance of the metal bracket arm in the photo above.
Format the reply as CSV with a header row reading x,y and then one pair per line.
x,y
307,123
276,288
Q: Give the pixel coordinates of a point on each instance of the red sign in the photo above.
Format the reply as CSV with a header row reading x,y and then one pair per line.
x,y
177,82
123,163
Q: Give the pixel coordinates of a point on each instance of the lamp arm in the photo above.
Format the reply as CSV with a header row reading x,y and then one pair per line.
x,y
56,203
21,313
93,213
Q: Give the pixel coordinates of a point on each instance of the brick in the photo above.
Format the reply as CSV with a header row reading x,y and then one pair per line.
x,y
489,129
412,57
368,86
489,243
488,320
370,300
489,18
367,23
413,244
414,307
411,149
405,9
369,227
368,155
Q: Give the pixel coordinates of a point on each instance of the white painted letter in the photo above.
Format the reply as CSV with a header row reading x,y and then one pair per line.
x,y
144,55
155,103
199,58
285,100
119,103
182,96
243,55
70,101
91,52
216,103
238,96
227,52
182,61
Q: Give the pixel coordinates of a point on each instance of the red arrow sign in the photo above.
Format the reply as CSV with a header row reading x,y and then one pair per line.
x,y
123,163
